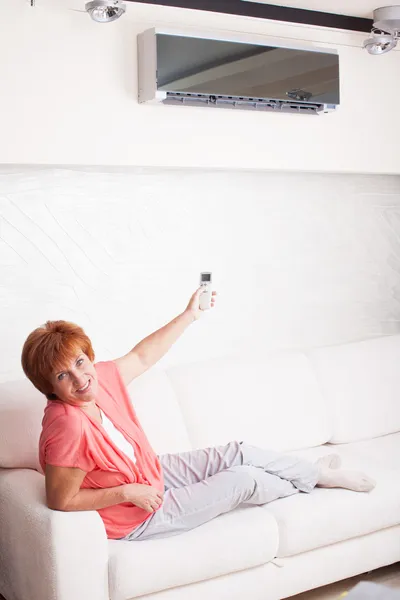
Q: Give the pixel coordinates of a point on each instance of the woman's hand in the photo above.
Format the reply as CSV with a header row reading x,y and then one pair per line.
x,y
144,496
193,308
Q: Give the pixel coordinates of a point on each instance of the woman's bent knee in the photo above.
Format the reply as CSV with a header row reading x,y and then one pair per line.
x,y
244,481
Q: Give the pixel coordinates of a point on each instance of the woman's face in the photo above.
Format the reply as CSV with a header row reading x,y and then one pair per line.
x,y
77,383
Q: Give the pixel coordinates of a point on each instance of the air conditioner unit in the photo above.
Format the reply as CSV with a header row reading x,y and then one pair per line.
x,y
197,70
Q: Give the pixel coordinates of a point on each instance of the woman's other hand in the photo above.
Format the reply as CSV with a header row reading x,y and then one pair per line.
x,y
144,496
193,308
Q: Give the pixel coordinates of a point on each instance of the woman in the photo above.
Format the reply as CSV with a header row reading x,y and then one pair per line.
x,y
95,455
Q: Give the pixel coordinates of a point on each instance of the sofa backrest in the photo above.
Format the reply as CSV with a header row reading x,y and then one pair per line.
x,y
159,413
285,401
21,413
271,401
361,384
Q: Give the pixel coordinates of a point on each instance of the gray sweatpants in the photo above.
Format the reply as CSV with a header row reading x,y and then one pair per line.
x,y
202,484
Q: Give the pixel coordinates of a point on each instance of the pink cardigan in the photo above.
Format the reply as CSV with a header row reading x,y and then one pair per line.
x,y
71,438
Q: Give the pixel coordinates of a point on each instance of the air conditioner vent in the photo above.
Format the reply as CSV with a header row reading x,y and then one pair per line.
x,y
241,102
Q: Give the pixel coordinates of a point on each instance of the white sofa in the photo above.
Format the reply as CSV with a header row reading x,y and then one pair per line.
x,y
346,395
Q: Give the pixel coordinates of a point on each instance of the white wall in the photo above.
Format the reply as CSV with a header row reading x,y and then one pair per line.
x,y
299,260
68,96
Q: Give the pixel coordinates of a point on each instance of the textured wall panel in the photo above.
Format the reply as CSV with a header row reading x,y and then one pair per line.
x,y
299,260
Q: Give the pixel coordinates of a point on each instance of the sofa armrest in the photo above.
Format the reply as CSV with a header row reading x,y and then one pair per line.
x,y
46,554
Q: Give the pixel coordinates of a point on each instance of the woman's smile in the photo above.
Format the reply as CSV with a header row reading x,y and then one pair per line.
x,y
84,388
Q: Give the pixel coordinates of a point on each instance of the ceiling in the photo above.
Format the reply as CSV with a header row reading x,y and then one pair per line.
x,y
356,8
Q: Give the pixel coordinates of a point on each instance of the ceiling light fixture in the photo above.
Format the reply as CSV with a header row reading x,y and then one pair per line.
x,y
385,30
105,11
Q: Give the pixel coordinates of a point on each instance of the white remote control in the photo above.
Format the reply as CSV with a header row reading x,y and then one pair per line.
x,y
205,296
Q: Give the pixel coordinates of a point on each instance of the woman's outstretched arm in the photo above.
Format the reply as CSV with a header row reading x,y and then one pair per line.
x,y
149,351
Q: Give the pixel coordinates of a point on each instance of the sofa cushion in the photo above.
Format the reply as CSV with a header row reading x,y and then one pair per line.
x,y
361,383
21,413
327,516
382,452
159,413
244,538
336,562
271,401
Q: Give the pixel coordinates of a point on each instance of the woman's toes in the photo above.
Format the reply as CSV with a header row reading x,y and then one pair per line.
x,y
368,484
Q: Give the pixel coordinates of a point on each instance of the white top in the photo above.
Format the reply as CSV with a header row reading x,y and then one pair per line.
x,y
117,437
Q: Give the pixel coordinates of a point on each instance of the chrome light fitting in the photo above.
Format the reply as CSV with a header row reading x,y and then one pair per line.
x,y
105,11
385,30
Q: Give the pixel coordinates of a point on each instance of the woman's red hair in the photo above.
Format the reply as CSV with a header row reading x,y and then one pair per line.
x,y
51,347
